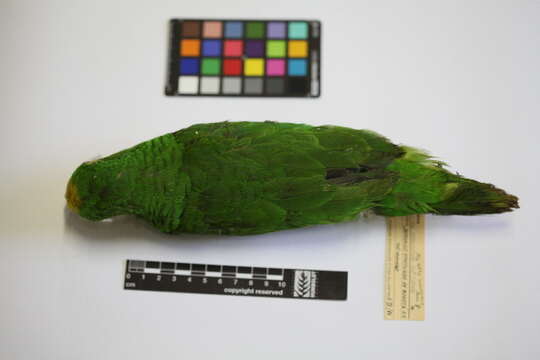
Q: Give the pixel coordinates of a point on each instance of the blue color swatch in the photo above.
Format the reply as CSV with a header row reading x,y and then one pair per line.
x,y
233,29
189,66
297,67
211,47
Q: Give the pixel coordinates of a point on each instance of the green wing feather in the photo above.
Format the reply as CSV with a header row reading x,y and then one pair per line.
x,y
261,177
256,177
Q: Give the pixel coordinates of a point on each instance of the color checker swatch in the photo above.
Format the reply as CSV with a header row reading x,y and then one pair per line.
x,y
279,58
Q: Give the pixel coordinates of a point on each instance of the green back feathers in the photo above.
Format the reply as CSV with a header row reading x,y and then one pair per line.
x,y
259,177
256,177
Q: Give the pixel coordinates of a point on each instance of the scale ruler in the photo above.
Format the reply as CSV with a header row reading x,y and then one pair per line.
x,y
235,280
404,268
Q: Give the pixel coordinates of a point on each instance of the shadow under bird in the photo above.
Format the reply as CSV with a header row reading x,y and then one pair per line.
x,y
255,177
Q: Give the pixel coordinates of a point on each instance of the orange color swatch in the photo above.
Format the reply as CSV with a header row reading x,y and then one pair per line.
x,y
189,47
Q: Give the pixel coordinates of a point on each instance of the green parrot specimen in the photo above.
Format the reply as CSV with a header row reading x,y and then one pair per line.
x,y
245,178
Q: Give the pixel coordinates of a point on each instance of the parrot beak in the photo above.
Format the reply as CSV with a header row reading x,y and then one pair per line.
x,y
72,197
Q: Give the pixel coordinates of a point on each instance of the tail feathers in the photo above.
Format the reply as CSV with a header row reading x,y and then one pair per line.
x,y
425,186
470,197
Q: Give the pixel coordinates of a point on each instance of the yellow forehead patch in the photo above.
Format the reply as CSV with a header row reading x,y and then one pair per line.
x,y
72,197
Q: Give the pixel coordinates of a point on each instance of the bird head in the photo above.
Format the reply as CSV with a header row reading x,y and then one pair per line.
x,y
88,191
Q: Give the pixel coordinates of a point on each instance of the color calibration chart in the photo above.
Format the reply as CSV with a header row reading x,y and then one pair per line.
x,y
278,58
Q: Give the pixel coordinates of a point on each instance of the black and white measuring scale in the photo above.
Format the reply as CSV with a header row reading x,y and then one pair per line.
x,y
235,280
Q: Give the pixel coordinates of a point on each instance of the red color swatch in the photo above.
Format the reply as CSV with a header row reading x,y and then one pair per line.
x,y
233,48
232,66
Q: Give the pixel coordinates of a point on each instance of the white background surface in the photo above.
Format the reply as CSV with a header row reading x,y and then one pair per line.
x,y
83,79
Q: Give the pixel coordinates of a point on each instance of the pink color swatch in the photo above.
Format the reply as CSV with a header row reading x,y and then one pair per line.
x,y
275,67
212,29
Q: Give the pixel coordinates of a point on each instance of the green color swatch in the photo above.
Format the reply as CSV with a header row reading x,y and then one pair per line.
x,y
255,30
211,66
275,48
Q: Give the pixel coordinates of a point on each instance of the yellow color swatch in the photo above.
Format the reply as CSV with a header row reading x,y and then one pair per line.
x,y
190,47
254,67
298,48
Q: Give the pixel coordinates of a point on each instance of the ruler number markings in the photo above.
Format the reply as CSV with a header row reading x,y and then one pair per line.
x,y
235,280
